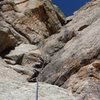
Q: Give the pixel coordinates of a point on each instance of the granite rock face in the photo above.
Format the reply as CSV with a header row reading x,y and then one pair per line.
x,y
38,42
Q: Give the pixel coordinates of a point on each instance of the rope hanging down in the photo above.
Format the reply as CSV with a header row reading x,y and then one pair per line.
x,y
37,89
37,83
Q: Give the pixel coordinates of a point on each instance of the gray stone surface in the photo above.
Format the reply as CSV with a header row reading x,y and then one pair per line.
x,y
79,51
20,51
13,86
24,91
35,44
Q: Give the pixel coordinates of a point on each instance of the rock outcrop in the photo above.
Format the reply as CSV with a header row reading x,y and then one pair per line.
x,y
13,86
38,43
86,80
26,16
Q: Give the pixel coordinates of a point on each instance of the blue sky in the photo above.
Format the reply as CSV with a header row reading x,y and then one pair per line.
x,y
69,6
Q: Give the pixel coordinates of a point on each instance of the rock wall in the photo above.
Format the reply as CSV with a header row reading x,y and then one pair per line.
x,y
38,43
33,19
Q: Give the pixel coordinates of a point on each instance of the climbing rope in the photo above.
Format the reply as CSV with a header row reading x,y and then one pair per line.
x,y
37,89
37,82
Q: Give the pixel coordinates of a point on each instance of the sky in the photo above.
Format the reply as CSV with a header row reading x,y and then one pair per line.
x,y
69,6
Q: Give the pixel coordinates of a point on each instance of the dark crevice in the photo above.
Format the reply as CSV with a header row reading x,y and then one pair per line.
x,y
21,33
62,21
83,27
6,51
19,61
33,77
68,21
21,2
65,75
85,62
38,67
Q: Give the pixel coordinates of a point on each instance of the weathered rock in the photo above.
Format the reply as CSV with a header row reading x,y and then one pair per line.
x,y
18,53
9,61
57,41
85,16
25,91
13,85
23,70
33,18
30,58
47,51
27,56
86,80
79,51
9,75
7,40
9,29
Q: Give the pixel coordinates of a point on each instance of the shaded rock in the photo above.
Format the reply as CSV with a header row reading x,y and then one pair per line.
x,y
7,39
60,15
33,78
